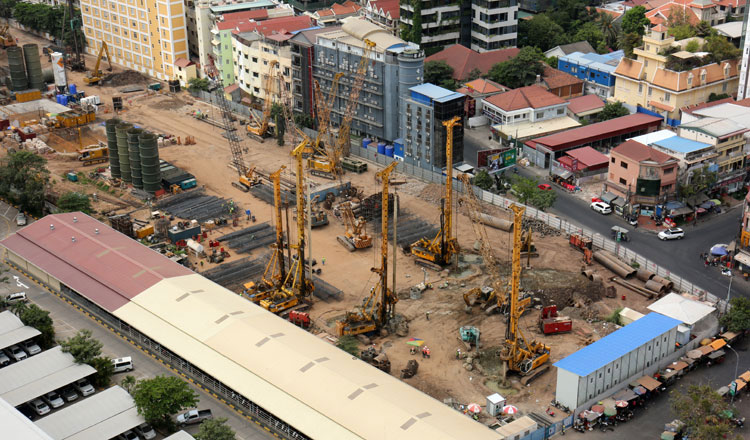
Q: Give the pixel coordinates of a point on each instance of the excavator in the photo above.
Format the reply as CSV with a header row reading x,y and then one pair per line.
x,y
259,129
6,39
275,270
380,304
525,358
295,286
439,251
493,297
355,236
247,180
94,77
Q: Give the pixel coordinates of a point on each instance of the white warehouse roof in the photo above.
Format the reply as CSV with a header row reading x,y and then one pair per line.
x,y
12,330
682,309
15,425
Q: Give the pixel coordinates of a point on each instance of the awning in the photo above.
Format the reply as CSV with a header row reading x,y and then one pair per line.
x,y
607,197
682,211
728,336
677,366
565,174
742,258
674,205
618,202
628,395
649,383
706,349
716,354
717,344
740,384
745,376
697,199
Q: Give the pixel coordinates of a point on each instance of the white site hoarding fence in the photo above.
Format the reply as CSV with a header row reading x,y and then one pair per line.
x,y
598,240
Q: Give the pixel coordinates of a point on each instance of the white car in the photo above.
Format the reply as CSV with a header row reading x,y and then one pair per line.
x,y
129,435
21,219
146,431
4,359
601,208
39,407
84,387
17,297
16,353
31,347
671,234
69,394
53,399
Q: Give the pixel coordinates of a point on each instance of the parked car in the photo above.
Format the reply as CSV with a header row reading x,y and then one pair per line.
x,y
4,359
84,387
28,411
601,208
21,219
15,352
31,347
16,297
53,399
129,435
194,416
146,431
69,394
39,407
122,364
545,186
671,234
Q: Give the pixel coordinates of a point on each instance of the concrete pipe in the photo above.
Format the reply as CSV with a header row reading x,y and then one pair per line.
x,y
596,278
655,286
497,223
665,282
588,273
644,275
616,266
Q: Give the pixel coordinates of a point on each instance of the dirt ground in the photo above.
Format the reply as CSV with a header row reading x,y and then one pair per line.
x,y
554,275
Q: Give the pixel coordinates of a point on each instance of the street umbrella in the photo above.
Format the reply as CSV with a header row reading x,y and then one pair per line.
x,y
716,202
609,412
417,342
719,250
694,354
510,409
621,404
598,409
474,408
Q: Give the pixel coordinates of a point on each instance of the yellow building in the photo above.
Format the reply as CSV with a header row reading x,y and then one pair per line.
x,y
144,35
647,82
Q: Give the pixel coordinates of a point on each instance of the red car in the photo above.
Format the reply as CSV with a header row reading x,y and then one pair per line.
x,y
545,187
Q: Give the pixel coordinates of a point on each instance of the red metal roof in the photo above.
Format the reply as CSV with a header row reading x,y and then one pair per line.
x,y
601,130
587,156
584,103
641,153
525,97
109,267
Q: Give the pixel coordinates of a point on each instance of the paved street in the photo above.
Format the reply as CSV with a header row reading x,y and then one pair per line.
x,y
649,422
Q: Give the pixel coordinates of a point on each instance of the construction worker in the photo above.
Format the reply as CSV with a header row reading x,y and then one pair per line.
x,y
458,353
424,352
427,352
427,315
323,260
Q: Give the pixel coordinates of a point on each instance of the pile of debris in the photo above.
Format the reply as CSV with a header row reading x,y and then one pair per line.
x,y
37,145
124,78
539,227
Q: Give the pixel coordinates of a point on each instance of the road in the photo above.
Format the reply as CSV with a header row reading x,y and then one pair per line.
x,y
649,421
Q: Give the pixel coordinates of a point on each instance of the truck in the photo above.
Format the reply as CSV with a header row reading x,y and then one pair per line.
x,y
194,416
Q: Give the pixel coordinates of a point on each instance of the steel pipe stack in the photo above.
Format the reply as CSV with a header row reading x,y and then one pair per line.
x,y
18,79
135,156
122,150
114,159
150,171
34,67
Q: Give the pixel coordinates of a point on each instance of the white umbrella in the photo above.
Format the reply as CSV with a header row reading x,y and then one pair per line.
x,y
474,408
510,409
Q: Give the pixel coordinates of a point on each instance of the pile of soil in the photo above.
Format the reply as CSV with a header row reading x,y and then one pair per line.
x,y
168,104
125,78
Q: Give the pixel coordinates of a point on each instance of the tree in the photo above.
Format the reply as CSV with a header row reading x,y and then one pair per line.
x,y
737,318
701,409
215,429
542,199
436,71
483,180
23,177
714,97
304,120
693,46
590,32
699,180
720,49
519,71
198,84
528,192
703,29
6,8
610,29
160,398
634,21
679,16
629,42
128,383
34,316
82,346
541,32
612,110
682,32
104,371
73,201
572,14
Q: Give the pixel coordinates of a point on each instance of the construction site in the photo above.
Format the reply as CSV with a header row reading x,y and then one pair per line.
x,y
458,298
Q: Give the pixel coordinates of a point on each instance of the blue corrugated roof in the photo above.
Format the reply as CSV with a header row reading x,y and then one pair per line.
x,y
617,344
432,91
605,63
681,145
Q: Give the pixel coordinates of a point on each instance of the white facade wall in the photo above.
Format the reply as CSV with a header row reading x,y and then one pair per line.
x,y
501,116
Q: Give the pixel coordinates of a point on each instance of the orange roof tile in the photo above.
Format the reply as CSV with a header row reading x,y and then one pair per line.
x,y
183,62
641,153
482,86
463,60
387,8
677,81
661,105
630,68
524,97
554,78
585,103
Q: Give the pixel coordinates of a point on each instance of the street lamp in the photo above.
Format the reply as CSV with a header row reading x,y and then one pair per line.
x,y
736,370
729,294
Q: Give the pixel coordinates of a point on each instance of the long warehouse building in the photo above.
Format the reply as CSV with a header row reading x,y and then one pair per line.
x,y
266,364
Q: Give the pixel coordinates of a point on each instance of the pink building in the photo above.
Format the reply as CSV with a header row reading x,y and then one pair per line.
x,y
641,176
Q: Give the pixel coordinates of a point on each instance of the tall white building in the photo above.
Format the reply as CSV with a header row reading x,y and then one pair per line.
x,y
743,91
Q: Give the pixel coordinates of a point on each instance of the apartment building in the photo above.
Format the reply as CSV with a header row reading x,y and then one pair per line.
x,y
595,70
395,67
649,83
480,25
384,13
144,35
691,155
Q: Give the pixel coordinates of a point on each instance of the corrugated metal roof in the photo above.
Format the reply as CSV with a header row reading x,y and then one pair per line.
x,y
681,145
36,375
595,131
16,426
101,416
431,91
180,435
9,321
680,308
654,136
617,344
321,390
106,263
18,335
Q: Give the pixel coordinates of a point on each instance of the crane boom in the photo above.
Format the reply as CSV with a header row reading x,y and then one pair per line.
x,y
343,144
260,126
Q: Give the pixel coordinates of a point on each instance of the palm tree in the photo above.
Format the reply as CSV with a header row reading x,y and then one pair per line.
x,y
609,28
18,308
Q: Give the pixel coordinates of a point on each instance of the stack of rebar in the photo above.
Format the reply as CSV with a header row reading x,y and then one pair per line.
x,y
410,228
196,205
264,192
237,272
248,239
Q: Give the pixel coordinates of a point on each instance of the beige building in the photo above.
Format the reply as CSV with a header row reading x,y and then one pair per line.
x,y
144,35
647,82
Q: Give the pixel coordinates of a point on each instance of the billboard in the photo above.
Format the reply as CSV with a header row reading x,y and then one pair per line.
x,y
499,159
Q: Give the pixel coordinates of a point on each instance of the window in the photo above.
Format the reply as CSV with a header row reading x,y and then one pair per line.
x,y
669,170
667,95
540,115
622,181
649,91
724,87
560,111
703,76
612,160
640,89
623,164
